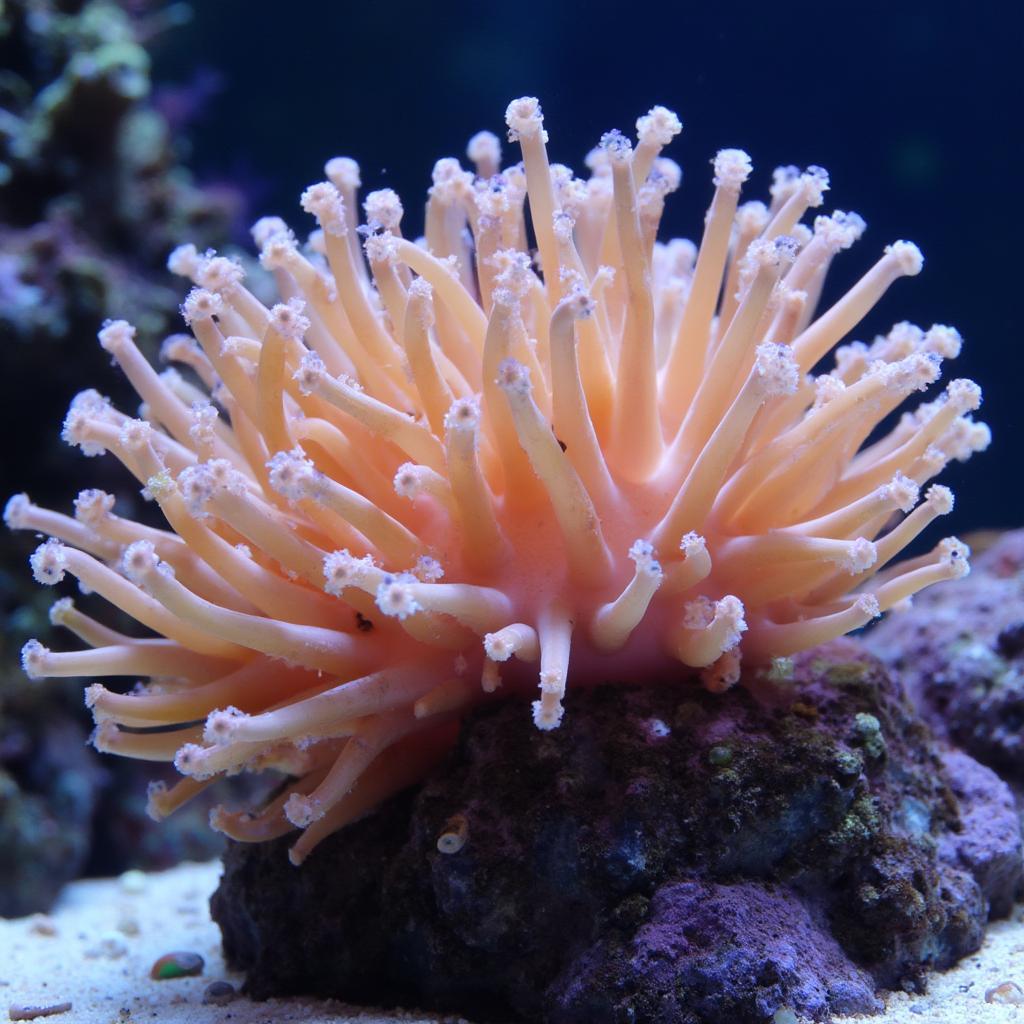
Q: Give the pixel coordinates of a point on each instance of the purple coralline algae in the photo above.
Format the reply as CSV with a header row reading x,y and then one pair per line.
x,y
960,652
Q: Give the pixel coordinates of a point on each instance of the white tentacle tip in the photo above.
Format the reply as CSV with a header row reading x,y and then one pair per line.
x,y
221,725
342,569
49,562
428,569
497,647
643,556
104,737
944,341
513,377
267,228
310,373
201,304
219,819
302,810
93,506
955,555
860,556
196,486
729,612
381,248
693,544
220,274
139,560
732,168
60,611
408,480
965,394
776,371
115,336
940,498
16,511
191,760
524,118
286,318
277,251
580,305
658,127
463,414
93,695
908,256
902,492
383,209
814,182
136,435
293,476
484,147
547,717
324,201
616,146
33,659
343,173
396,597
184,261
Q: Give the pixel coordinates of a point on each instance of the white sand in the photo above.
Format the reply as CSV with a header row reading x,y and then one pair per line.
x,y
107,934
97,964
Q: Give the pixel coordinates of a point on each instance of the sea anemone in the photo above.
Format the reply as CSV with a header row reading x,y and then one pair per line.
x,y
457,468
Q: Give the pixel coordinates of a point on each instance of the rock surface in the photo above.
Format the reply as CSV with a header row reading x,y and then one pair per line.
x,y
960,652
665,856
989,847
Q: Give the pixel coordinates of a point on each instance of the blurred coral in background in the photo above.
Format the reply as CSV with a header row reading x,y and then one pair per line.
x,y
92,196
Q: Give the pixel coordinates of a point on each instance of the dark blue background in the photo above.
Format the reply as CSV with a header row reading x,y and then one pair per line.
x,y
915,109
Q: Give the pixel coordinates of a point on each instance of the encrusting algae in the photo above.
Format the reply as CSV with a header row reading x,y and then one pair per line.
x,y
442,467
